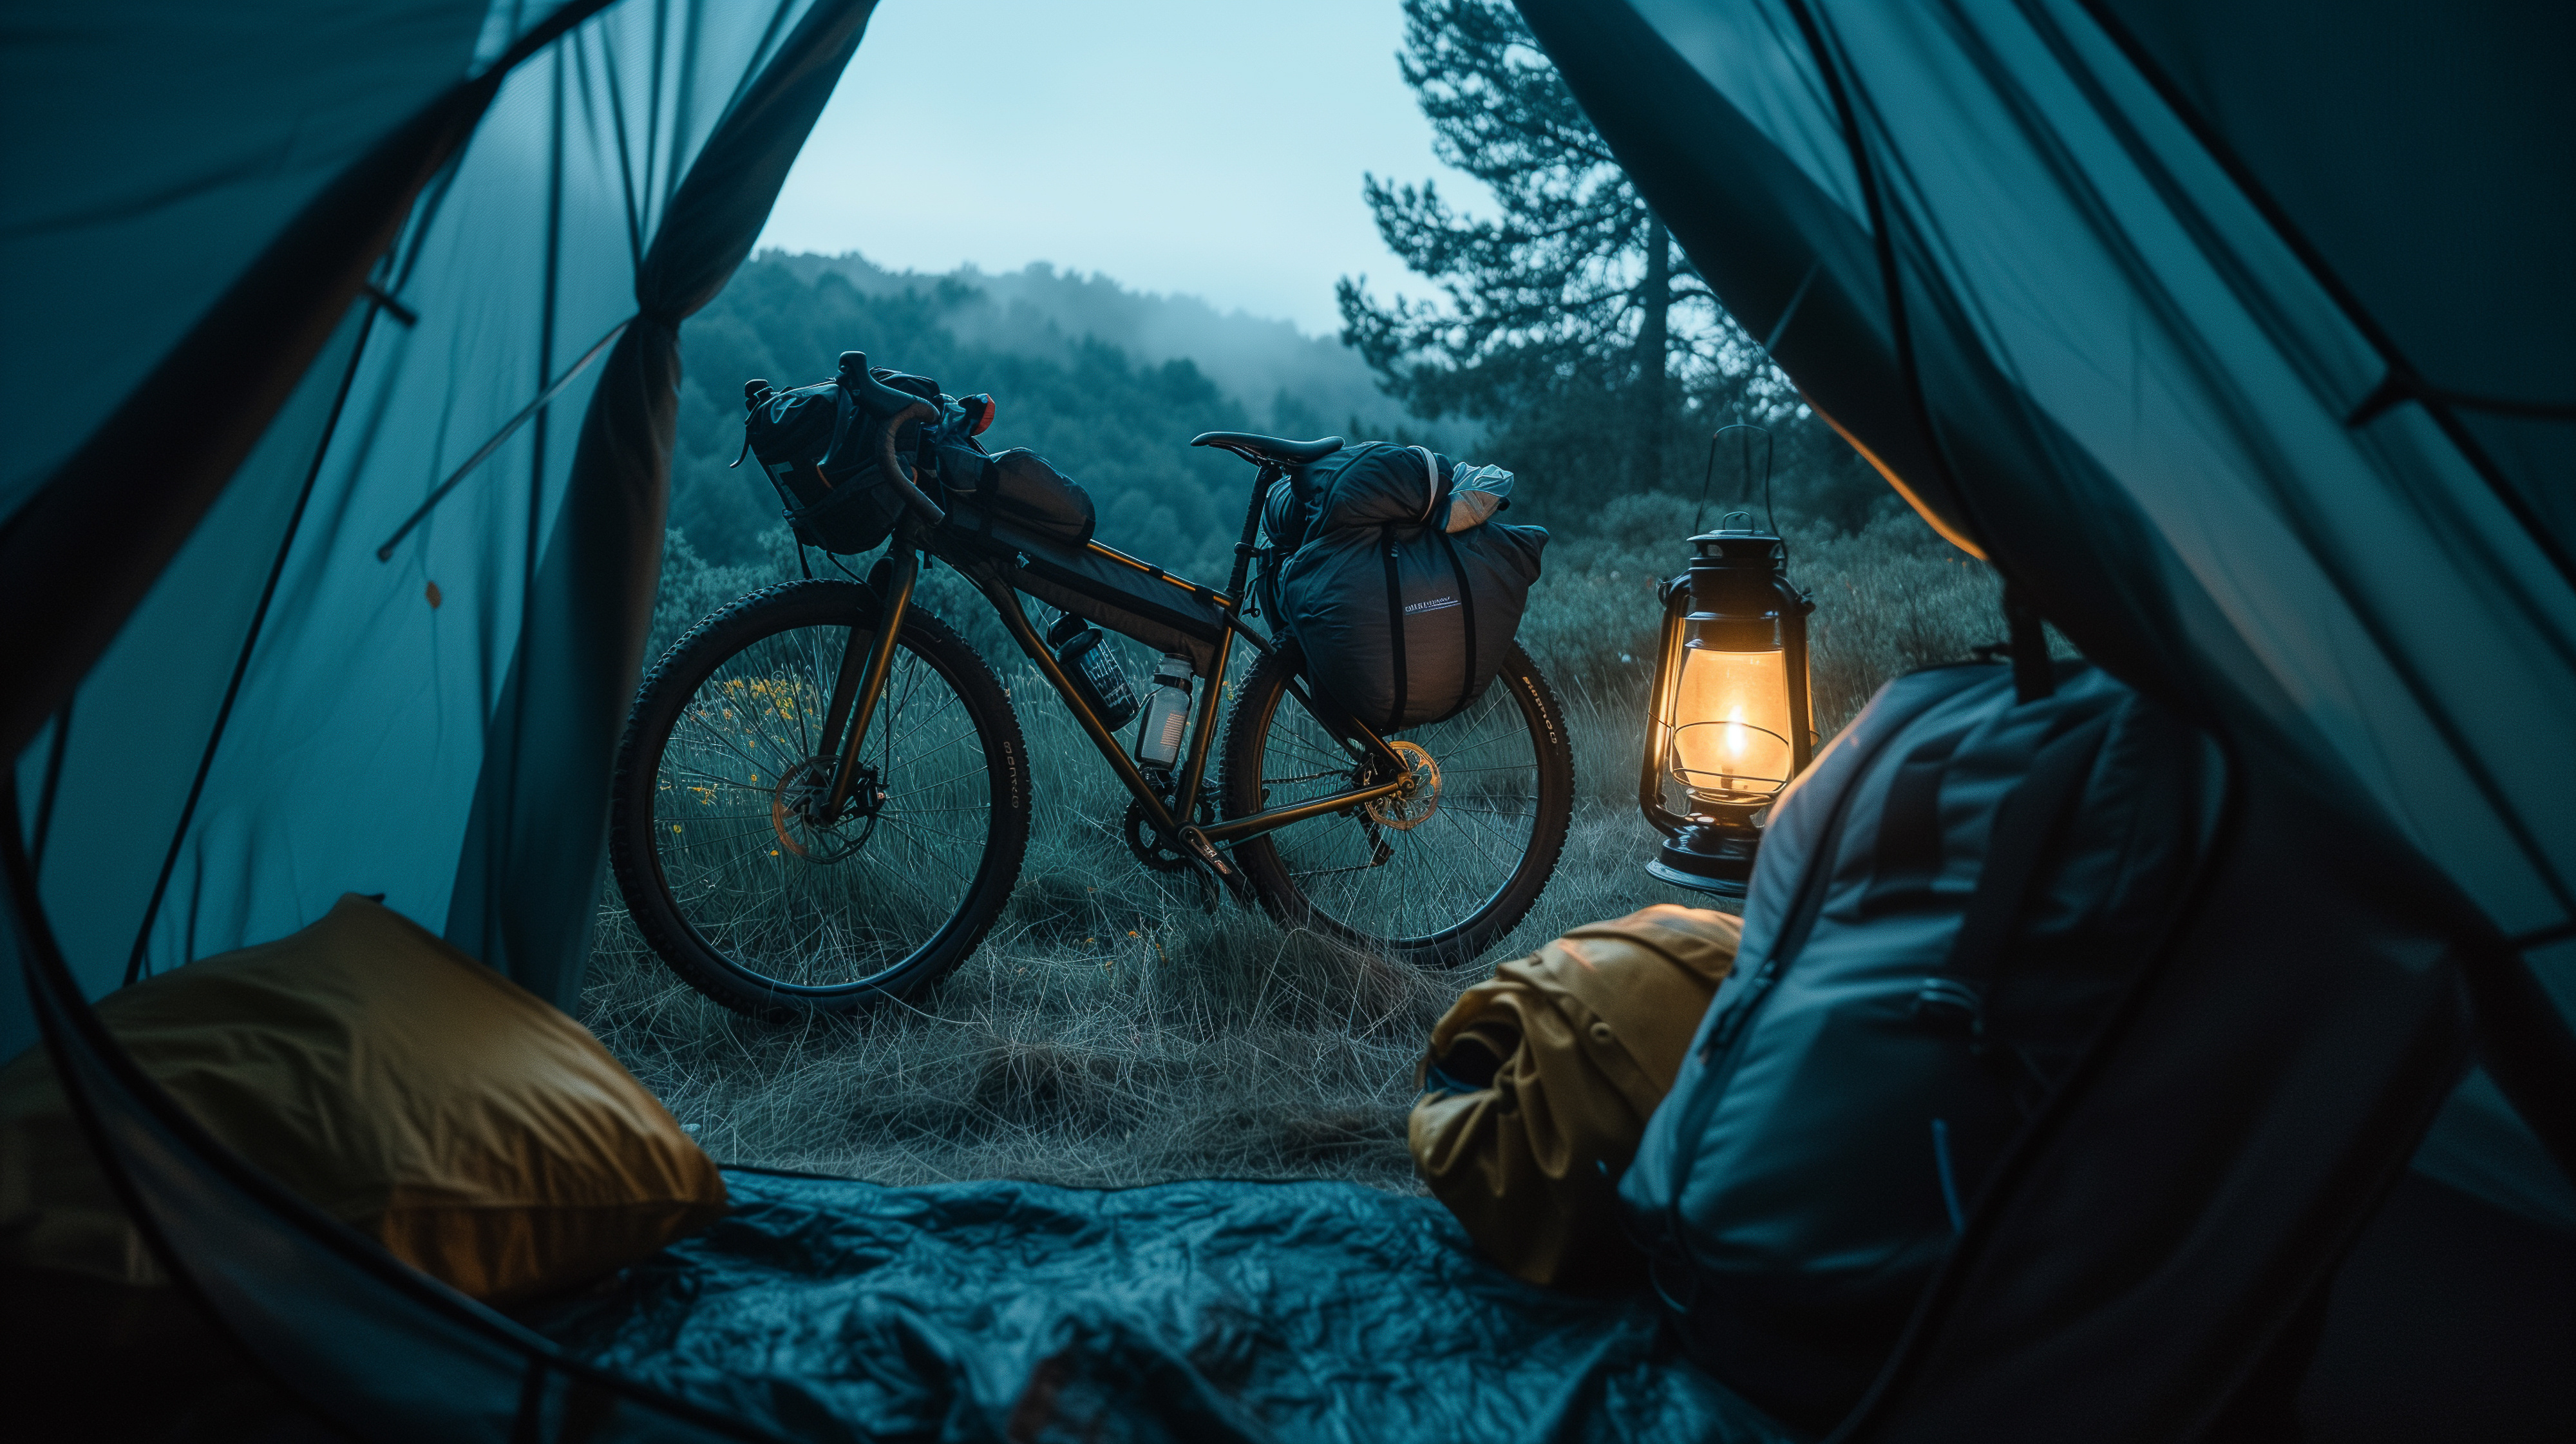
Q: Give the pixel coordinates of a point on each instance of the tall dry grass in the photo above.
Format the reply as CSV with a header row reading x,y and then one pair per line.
x,y
1110,1032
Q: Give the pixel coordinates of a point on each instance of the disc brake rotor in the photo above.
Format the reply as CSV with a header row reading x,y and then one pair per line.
x,y
1409,808
791,805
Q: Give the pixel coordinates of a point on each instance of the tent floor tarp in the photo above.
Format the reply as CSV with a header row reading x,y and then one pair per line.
x,y
1321,1311
1197,1311
832,1309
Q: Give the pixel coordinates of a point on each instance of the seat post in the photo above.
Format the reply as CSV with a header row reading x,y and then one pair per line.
x,y
1262,481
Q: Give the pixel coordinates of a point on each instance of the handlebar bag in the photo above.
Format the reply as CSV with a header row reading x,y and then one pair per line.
x,y
824,452
1403,620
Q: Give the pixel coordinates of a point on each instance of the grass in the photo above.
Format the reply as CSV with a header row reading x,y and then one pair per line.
x,y
1110,1032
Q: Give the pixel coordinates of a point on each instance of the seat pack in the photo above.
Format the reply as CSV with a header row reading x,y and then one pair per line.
x,y
1946,907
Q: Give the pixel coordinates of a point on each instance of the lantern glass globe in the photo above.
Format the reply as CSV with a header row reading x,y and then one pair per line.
x,y
1732,725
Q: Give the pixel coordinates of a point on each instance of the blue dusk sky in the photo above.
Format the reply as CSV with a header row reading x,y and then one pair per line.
x,y
1212,149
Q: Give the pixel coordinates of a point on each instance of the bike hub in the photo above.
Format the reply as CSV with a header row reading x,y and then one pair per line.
x,y
1412,804
806,828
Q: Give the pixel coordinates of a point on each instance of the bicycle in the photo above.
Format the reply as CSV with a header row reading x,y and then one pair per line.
x,y
822,798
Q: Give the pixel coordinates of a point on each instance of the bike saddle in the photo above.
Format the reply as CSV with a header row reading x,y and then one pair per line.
x,y
1269,448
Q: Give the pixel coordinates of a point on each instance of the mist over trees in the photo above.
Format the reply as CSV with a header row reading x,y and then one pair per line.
x,y
1572,343
1106,383
1571,323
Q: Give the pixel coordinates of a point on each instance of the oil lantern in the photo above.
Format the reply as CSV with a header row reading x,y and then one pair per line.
x,y
1731,722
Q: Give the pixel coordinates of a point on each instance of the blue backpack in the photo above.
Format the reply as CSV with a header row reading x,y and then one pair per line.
x,y
1947,906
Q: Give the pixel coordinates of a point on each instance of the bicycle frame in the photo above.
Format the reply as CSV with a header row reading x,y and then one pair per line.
x,y
857,689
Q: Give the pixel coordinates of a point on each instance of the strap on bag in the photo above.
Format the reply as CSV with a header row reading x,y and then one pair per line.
x,y
2026,829
2026,825
1394,620
1431,483
1466,617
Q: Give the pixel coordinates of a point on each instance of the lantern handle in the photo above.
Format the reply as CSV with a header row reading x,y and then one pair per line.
x,y
1744,489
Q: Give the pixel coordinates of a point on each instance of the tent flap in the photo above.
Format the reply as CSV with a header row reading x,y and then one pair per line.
x,y
2117,291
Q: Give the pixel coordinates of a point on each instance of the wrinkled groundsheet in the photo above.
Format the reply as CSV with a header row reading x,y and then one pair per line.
x,y
829,1309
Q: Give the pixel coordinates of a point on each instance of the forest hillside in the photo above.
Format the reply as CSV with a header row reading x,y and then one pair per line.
x,y
1107,383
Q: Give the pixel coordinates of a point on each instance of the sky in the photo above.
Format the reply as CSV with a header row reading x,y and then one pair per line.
x,y
1204,147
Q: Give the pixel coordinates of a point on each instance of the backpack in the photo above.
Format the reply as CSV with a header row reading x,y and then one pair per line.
x,y
1945,908
1402,594
1539,1081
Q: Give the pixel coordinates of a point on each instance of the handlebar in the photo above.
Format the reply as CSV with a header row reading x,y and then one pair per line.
x,y
897,407
913,496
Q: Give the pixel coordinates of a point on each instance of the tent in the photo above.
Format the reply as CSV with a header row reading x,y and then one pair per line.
x,y
2233,335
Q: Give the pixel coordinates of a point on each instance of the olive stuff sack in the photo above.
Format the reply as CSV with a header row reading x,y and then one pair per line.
x,y
1403,620
1945,909
824,450
1539,1082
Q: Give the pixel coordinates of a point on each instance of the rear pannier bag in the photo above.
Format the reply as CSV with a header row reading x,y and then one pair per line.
x,y
1402,621
825,452
1945,909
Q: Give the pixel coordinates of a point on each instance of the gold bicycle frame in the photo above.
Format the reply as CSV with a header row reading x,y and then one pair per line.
x,y
869,656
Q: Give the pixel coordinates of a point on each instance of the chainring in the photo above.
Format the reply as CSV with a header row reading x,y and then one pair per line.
x,y
1149,849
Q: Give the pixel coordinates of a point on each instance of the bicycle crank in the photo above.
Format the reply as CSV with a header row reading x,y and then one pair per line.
x,y
1151,850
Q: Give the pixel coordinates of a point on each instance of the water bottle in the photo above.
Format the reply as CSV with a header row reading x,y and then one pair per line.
x,y
1094,671
1167,713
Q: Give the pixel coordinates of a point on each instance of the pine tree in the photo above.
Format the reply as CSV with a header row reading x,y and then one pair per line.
x,y
1574,294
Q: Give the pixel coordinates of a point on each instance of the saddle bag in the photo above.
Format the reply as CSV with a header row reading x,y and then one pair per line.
x,y
1945,909
1402,592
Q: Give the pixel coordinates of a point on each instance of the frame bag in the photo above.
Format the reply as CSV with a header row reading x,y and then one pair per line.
x,y
1945,909
1402,593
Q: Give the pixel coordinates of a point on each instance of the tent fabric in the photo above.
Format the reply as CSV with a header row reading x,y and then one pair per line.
x,y
355,589
2216,331
825,1308
2223,384
286,716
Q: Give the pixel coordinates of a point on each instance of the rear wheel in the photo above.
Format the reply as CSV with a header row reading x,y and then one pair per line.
x,y
1435,874
731,870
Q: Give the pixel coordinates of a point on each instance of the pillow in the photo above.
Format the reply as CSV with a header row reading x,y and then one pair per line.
x,y
482,1136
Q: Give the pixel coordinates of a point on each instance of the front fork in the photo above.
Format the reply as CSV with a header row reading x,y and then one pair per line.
x,y
861,683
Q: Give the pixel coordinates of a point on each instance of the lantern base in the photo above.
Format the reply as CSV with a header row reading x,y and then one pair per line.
x,y
1708,857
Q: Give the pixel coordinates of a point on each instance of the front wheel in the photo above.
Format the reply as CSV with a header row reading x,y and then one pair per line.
x,y
733,869
1435,874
